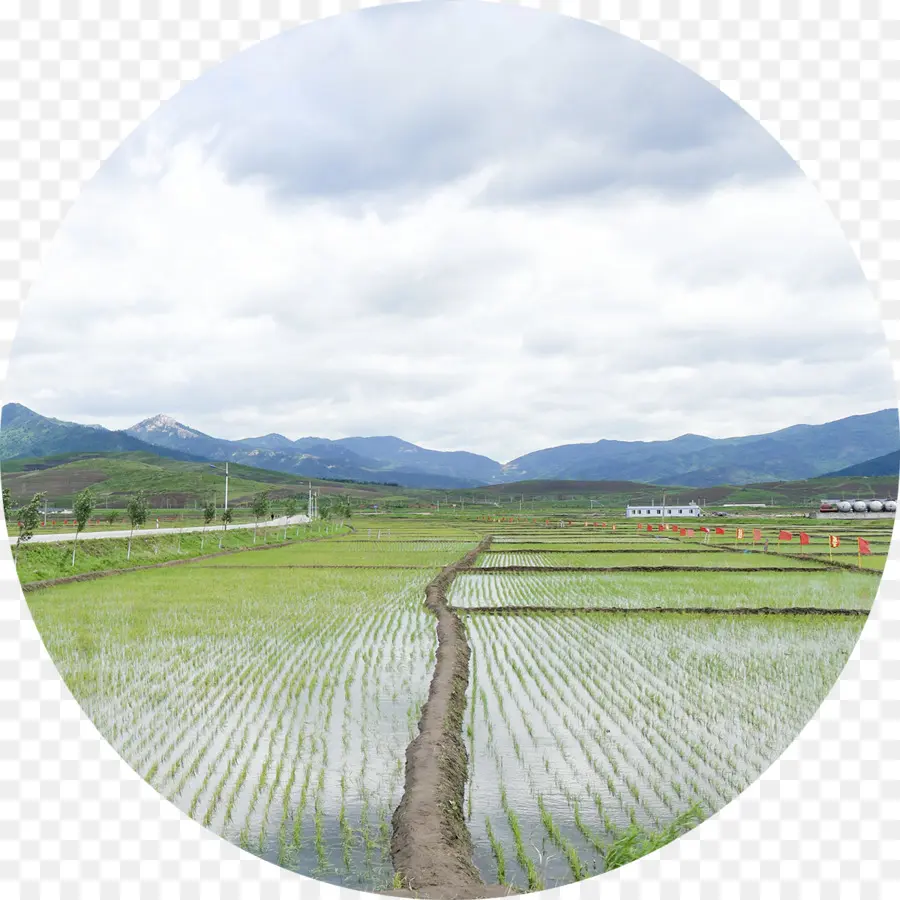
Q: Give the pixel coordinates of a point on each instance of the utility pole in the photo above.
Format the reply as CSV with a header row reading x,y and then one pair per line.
x,y
226,481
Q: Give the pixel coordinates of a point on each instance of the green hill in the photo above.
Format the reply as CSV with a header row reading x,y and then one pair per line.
x,y
168,482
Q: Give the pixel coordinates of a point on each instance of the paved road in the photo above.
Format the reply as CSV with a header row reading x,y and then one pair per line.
x,y
147,532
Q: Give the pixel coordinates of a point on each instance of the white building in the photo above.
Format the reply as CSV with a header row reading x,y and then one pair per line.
x,y
669,512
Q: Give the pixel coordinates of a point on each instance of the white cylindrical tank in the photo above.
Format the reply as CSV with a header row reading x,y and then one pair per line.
x,y
890,506
859,506
844,506
875,506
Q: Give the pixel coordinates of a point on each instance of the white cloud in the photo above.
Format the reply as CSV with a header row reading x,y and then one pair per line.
x,y
450,322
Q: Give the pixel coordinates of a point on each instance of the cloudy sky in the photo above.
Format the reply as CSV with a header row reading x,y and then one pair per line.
x,y
471,226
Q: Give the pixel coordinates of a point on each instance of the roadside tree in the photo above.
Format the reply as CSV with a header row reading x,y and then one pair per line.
x,y
29,518
83,507
227,516
209,513
137,510
260,509
290,510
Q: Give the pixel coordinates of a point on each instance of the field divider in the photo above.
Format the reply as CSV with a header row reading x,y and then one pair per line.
x,y
650,548
320,566
502,570
105,573
431,847
700,610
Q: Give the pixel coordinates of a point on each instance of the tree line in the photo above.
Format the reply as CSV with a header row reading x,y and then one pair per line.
x,y
137,511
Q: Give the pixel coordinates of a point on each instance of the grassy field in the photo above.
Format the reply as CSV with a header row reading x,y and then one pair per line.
x,y
651,558
273,707
831,589
116,476
273,701
38,562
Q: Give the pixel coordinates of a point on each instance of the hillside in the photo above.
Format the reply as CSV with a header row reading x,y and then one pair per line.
x,y
114,477
24,432
889,464
619,493
794,453
316,457
692,461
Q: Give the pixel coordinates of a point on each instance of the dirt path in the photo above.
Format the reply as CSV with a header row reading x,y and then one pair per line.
x,y
700,610
612,570
431,847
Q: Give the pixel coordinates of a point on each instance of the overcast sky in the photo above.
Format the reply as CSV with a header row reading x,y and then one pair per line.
x,y
471,226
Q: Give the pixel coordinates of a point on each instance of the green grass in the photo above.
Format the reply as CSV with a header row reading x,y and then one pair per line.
x,y
42,561
234,692
123,474
388,553
680,590
601,560
267,701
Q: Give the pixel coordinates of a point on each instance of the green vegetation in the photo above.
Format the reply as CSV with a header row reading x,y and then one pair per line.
x,y
84,506
251,699
831,589
271,694
115,476
45,561
260,509
29,518
137,510
635,842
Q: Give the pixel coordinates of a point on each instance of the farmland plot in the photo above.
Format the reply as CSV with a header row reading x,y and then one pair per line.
x,y
338,553
600,546
601,559
274,707
579,726
823,589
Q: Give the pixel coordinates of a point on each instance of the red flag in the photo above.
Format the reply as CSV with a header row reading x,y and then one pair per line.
x,y
785,536
683,532
804,538
704,528
674,528
603,524
757,534
689,532
661,527
864,548
640,526
834,540
720,531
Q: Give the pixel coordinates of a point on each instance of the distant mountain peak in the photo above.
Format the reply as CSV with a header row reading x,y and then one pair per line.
x,y
166,424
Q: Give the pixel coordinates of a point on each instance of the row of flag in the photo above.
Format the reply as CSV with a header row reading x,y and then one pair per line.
x,y
834,540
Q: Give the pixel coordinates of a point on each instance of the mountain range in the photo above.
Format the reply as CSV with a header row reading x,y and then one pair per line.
x,y
794,453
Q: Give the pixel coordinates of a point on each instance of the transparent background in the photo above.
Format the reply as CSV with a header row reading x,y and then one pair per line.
x,y
75,79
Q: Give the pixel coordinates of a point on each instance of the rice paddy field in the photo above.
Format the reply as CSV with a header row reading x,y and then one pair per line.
x,y
619,682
